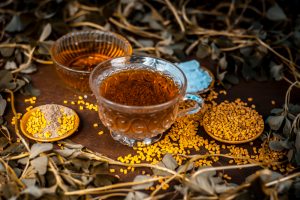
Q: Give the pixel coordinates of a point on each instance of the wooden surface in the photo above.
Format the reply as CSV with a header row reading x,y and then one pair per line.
x,y
53,90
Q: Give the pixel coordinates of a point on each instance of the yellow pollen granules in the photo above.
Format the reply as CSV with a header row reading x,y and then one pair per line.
x,y
13,120
233,122
67,123
31,100
36,122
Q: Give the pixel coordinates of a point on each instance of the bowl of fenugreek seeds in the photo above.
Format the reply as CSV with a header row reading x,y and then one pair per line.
x,y
233,122
50,122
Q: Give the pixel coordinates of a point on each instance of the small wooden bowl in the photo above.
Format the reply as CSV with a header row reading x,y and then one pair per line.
x,y
231,142
25,117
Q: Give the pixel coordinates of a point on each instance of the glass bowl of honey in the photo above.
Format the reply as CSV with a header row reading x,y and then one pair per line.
x,y
76,54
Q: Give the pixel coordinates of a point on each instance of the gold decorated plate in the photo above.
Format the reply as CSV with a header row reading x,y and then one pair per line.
x,y
231,141
57,137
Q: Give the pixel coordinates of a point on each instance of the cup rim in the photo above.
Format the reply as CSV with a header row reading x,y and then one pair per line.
x,y
122,106
71,34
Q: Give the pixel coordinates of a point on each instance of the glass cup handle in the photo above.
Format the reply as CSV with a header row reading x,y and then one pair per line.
x,y
199,104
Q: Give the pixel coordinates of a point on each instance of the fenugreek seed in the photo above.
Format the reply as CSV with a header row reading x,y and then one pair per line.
x,y
100,133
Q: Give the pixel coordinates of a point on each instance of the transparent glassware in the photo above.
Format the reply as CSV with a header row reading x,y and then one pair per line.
x,y
76,54
146,124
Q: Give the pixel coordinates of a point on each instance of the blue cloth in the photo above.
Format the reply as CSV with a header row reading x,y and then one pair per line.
x,y
198,79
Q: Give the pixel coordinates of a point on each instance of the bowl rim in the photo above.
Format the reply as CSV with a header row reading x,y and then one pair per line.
x,y
71,34
137,108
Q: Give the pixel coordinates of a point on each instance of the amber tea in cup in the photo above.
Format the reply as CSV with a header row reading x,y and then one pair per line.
x,y
76,54
138,97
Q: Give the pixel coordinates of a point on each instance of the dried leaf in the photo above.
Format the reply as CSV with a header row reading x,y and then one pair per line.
x,y
294,108
275,13
32,68
136,195
223,63
221,188
12,149
247,72
46,32
3,104
38,192
231,78
184,168
246,51
44,47
276,145
38,148
287,127
276,71
221,76
275,122
70,144
29,181
6,78
215,51
10,190
144,186
277,111
169,162
40,164
19,84
10,65
105,179
15,24
297,140
203,183
33,190
65,152
203,51
3,143
29,90
23,161
80,163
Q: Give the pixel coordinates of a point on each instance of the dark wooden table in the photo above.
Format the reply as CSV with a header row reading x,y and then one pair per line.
x,y
53,90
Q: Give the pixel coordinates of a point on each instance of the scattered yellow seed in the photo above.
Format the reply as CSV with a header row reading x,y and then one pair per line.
x,y
95,125
65,101
112,170
273,102
80,97
72,102
8,99
80,107
100,133
29,108
250,99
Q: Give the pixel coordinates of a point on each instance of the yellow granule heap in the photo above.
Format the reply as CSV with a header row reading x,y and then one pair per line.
x,y
36,122
184,139
233,121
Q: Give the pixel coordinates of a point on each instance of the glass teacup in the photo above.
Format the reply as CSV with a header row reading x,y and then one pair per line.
x,y
130,124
